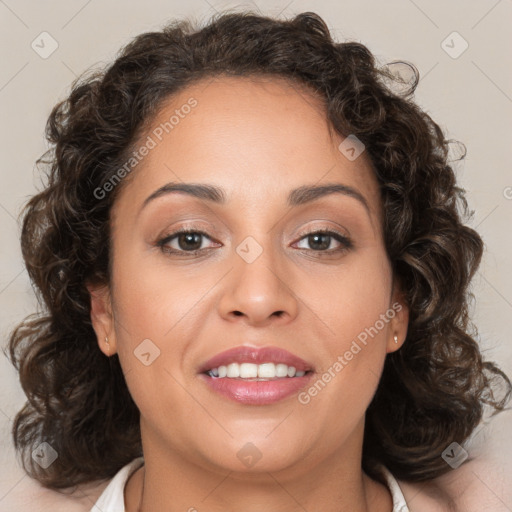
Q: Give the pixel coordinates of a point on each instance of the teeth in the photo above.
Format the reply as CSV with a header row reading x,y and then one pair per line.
x,y
248,370
281,370
266,371
233,370
256,371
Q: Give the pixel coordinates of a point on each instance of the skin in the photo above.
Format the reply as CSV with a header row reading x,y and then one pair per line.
x,y
257,139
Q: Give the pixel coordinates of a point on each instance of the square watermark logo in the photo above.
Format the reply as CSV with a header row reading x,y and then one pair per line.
x,y
351,147
249,250
249,455
44,45
44,455
454,45
454,455
146,352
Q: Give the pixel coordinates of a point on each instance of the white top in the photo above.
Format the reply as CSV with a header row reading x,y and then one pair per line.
x,y
112,497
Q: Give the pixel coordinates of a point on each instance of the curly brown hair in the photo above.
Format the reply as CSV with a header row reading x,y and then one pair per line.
x,y
432,391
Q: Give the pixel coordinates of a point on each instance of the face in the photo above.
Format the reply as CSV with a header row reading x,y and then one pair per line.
x,y
264,267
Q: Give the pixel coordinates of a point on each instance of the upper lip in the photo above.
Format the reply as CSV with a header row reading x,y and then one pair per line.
x,y
256,355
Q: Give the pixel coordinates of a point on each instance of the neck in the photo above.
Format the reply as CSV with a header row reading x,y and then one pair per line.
x,y
337,484
376,499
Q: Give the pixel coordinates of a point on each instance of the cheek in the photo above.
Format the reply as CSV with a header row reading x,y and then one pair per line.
x,y
159,311
152,299
353,297
355,305
153,323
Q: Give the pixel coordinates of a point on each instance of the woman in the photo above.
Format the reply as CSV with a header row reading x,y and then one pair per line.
x,y
253,259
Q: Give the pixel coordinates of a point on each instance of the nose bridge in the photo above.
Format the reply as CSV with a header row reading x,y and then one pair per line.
x,y
256,261
258,288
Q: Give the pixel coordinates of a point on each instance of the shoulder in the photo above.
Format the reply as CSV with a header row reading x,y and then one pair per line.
x,y
427,497
29,495
475,486
25,494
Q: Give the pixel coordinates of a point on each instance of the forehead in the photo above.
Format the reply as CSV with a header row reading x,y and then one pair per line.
x,y
250,136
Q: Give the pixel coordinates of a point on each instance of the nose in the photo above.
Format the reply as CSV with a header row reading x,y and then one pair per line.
x,y
259,292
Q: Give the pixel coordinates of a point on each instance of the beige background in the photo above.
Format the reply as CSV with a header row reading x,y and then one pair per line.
x,y
469,96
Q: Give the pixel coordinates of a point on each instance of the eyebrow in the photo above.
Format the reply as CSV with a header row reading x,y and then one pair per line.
x,y
296,197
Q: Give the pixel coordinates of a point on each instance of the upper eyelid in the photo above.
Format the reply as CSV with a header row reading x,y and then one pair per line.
x,y
200,229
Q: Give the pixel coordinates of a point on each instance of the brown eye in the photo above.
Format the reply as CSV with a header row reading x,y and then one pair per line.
x,y
183,242
322,241
189,241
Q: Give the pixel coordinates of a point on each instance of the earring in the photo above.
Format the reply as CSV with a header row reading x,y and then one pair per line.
x,y
106,340
396,338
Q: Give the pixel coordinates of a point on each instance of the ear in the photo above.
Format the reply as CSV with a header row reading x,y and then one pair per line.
x,y
399,321
102,318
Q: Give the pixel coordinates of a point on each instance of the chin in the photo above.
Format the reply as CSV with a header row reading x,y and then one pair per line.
x,y
253,455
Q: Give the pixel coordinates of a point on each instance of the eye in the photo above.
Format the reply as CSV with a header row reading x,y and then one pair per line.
x,y
321,241
188,241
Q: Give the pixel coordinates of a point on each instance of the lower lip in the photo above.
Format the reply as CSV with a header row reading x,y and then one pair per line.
x,y
254,392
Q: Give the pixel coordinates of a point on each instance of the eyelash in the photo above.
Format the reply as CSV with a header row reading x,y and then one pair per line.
x,y
346,243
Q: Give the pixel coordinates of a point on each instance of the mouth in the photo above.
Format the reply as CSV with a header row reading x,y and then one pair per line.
x,y
255,376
